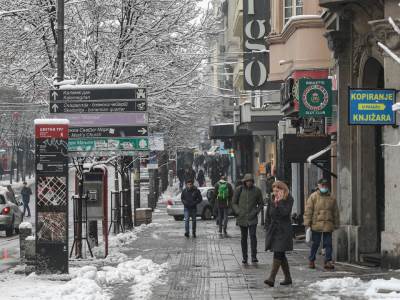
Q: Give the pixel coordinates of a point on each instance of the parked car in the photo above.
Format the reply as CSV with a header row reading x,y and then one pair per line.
x,y
10,214
204,209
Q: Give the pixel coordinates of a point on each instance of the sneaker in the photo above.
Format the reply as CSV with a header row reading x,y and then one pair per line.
x,y
187,234
244,261
311,264
329,265
254,260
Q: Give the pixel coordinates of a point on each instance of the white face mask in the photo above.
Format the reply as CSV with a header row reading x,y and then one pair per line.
x,y
324,190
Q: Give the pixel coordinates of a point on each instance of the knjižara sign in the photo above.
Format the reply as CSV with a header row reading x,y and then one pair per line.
x,y
371,106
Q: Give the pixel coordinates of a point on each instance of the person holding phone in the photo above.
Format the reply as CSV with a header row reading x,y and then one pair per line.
x,y
279,235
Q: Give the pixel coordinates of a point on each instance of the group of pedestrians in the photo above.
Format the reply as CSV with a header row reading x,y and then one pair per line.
x,y
321,216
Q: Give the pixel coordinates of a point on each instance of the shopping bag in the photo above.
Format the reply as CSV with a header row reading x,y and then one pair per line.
x,y
308,235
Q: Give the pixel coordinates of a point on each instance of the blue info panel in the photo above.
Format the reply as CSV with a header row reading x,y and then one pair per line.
x,y
371,107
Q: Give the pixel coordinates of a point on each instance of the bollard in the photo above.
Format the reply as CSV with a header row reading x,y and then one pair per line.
x,y
25,230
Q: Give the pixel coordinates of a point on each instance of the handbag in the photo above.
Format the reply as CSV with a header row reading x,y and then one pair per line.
x,y
268,237
308,235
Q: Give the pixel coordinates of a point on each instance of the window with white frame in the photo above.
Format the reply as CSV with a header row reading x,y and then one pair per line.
x,y
292,8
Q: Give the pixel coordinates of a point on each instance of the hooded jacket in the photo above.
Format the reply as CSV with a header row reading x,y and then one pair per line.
x,y
247,203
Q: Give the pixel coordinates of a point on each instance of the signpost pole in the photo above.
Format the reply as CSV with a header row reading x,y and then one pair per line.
x,y
117,204
136,186
60,40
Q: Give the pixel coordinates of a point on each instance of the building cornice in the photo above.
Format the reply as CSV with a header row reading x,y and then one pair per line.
x,y
292,27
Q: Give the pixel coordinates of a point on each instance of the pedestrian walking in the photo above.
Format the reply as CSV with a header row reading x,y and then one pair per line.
x,y
10,193
190,197
201,178
322,216
26,193
247,204
279,235
223,194
181,177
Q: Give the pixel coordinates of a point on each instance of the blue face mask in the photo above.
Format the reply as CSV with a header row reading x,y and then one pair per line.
x,y
323,190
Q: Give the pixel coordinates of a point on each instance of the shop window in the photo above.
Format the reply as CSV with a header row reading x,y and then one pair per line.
x,y
292,8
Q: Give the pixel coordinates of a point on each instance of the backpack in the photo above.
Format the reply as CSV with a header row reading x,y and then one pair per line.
x,y
223,192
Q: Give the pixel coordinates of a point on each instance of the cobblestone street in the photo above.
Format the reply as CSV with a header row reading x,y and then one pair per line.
x,y
209,267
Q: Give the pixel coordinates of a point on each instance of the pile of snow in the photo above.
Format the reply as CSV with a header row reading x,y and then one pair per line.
x,y
117,242
88,283
348,286
25,225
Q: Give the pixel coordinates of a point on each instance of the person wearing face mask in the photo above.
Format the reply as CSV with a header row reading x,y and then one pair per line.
x,y
322,216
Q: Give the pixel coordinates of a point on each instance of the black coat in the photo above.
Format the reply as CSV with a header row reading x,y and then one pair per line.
x,y
279,226
190,198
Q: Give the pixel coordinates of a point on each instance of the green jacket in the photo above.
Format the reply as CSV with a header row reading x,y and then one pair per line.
x,y
247,203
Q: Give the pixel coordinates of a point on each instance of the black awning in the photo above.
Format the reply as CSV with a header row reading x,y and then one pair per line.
x,y
297,148
221,131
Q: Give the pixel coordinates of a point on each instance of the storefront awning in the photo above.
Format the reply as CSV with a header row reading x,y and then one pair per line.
x,y
221,131
311,158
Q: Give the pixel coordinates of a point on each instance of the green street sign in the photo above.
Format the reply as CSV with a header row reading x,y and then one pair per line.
x,y
108,144
315,98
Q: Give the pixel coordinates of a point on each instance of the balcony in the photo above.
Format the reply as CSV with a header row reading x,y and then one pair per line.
x,y
260,120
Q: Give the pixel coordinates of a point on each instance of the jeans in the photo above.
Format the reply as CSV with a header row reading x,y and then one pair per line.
x,y
222,218
326,244
253,240
190,213
26,207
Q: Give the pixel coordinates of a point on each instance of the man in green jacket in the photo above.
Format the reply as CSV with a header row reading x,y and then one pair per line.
x,y
247,204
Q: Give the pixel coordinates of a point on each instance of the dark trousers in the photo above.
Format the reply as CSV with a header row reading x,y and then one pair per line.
x,y
245,230
280,256
26,207
326,244
222,218
190,213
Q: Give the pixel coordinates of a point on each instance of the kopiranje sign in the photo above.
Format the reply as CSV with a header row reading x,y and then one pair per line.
x,y
255,57
315,98
371,106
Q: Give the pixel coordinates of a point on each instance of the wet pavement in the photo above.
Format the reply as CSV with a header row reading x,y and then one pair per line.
x,y
209,267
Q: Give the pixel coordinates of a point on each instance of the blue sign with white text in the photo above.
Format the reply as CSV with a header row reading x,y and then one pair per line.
x,y
371,107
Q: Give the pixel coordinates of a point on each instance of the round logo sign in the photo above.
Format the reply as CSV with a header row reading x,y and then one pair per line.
x,y
315,97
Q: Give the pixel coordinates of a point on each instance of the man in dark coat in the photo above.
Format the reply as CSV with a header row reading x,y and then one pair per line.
x,y
279,236
247,204
181,177
190,197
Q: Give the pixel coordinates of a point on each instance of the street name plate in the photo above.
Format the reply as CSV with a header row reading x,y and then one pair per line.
x,y
109,131
85,107
110,144
104,119
98,94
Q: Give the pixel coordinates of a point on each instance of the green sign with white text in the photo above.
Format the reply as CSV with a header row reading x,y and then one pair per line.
x,y
315,98
108,144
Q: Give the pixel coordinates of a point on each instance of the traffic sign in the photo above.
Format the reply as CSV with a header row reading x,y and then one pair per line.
x,y
98,94
105,119
109,131
108,144
75,107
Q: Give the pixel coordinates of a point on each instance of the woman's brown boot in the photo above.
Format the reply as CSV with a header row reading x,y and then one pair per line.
x,y
275,268
286,272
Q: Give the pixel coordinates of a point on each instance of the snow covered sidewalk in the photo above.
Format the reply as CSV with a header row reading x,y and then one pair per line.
x,y
355,288
90,282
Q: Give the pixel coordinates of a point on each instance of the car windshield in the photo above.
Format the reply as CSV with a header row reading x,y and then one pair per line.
x,y
2,199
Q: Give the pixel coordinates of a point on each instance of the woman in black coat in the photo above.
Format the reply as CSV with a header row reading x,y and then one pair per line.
x,y
279,236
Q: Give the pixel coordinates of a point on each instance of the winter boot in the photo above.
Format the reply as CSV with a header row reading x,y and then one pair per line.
x,y
275,268
311,264
286,272
329,266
